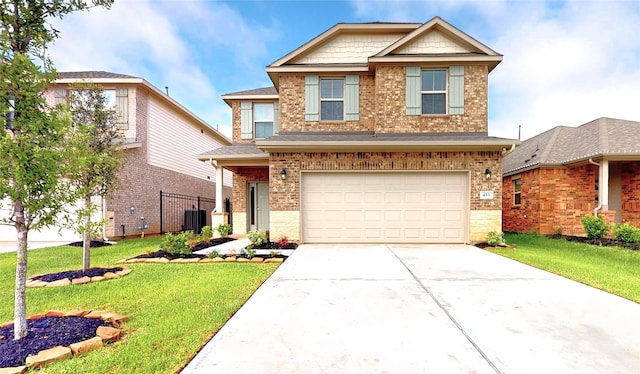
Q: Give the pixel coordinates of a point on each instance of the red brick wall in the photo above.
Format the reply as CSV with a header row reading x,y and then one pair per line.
x,y
551,200
631,192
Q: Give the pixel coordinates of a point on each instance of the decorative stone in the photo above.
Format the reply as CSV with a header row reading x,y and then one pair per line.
x,y
86,345
97,314
191,260
206,260
274,260
242,259
257,259
76,313
110,275
123,272
55,313
116,319
108,334
230,259
36,316
82,280
217,259
6,324
37,283
97,279
59,283
161,260
48,356
13,370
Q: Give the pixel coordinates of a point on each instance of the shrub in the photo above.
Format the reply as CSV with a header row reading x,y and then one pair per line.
x,y
496,239
595,227
224,230
207,232
257,238
626,232
176,244
250,252
283,242
214,253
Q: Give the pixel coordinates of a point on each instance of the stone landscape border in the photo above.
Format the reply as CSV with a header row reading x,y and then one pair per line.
x,y
104,334
32,282
164,260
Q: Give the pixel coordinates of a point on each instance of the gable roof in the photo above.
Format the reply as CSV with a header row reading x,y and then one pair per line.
x,y
105,77
265,93
357,47
562,145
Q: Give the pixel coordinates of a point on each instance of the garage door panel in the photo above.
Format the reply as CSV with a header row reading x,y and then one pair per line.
x,y
385,207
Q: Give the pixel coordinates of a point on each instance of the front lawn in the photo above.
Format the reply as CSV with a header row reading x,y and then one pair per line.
x,y
613,269
173,309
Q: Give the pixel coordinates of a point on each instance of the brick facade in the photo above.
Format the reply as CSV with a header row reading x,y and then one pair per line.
x,y
631,192
552,200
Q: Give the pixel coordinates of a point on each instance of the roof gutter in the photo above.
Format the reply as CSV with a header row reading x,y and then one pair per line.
x,y
398,146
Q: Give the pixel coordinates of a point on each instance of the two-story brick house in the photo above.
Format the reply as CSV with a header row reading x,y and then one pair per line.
x,y
373,132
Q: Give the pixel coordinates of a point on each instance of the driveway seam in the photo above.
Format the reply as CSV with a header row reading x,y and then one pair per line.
x,y
455,322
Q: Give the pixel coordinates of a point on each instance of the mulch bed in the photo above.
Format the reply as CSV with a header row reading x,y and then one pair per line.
x,y
75,274
602,241
44,333
92,244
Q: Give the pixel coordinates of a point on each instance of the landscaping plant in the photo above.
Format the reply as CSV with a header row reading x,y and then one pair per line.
x,y
595,227
206,232
496,239
626,232
257,237
176,244
224,230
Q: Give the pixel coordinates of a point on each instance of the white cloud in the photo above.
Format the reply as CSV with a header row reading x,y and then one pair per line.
x,y
565,63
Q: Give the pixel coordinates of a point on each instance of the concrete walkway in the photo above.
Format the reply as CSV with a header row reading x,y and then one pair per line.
x,y
422,309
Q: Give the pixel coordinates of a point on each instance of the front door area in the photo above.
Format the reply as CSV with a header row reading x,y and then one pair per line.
x,y
258,206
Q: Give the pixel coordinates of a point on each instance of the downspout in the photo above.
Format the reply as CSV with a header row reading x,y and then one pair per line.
x,y
513,146
595,211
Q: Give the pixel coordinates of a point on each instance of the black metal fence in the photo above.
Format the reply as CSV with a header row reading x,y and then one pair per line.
x,y
183,212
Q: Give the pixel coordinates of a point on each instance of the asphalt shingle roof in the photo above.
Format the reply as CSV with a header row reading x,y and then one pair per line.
x,y
255,92
236,149
92,75
561,145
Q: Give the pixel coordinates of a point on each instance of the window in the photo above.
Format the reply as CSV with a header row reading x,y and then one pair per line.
x,y
263,119
517,190
434,91
331,99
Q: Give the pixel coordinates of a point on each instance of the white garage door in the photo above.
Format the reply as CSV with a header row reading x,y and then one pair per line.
x,y
403,207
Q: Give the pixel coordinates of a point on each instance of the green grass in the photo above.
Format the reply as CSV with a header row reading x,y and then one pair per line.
x,y
612,269
173,309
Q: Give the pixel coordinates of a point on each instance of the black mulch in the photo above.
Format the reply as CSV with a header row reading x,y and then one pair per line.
x,y
74,274
45,333
602,241
92,244
275,246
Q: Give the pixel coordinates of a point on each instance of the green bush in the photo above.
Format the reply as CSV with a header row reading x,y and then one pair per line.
x,y
257,238
176,244
224,230
207,232
250,252
496,239
627,232
595,227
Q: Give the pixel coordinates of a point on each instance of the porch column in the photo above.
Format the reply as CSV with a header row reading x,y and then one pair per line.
x,y
604,185
219,183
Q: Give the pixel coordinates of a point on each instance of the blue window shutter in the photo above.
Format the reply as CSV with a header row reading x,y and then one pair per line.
x,y
311,98
246,120
276,119
413,97
456,90
352,98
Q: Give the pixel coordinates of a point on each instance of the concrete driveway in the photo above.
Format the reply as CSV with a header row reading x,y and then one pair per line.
x,y
422,309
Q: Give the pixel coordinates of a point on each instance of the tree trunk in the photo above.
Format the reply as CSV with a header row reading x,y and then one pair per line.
x,y
20,305
86,238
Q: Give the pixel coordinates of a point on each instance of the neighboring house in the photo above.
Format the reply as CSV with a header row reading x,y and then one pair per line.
x,y
373,132
163,139
554,179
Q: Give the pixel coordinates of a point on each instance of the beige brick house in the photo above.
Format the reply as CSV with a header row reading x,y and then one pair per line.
x,y
373,132
163,139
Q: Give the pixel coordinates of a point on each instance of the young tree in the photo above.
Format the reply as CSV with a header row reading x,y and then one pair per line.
x,y
32,152
96,165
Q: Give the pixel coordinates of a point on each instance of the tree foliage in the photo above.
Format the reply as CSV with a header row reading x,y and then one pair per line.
x,y
98,157
33,156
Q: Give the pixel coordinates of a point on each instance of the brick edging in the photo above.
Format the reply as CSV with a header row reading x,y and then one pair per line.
x,y
36,283
104,334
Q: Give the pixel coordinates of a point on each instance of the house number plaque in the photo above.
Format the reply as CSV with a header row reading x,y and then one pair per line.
x,y
486,195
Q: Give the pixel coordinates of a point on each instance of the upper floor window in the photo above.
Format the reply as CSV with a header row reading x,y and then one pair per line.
x,y
258,120
331,99
117,99
434,91
517,191
263,119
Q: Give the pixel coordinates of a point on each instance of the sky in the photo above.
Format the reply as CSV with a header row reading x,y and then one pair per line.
x,y
565,62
